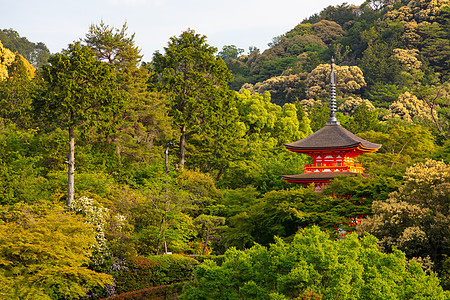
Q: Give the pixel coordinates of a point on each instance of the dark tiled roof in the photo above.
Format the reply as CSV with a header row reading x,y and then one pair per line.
x,y
319,176
331,137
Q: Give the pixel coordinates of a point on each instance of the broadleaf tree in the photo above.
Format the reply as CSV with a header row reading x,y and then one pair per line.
x,y
44,251
196,81
77,91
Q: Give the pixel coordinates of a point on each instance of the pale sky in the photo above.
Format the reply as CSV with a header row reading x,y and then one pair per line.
x,y
243,23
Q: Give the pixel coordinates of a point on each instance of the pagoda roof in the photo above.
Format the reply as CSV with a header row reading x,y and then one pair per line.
x,y
323,176
332,136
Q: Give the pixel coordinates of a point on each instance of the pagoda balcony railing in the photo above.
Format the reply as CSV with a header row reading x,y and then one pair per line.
x,y
334,165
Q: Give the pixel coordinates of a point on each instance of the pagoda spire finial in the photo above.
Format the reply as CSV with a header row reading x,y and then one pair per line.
x,y
332,120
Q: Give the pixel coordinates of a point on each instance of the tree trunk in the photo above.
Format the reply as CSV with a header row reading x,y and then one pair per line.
x,y
71,164
161,235
206,240
118,150
182,147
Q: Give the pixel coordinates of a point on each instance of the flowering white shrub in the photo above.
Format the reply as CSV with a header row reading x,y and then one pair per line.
x,y
95,215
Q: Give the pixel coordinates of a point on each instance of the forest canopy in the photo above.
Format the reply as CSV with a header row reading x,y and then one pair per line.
x,y
174,173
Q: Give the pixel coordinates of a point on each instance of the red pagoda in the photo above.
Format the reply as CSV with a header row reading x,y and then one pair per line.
x,y
332,148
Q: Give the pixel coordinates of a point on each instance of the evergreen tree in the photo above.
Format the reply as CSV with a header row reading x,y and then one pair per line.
x,y
145,118
77,91
196,81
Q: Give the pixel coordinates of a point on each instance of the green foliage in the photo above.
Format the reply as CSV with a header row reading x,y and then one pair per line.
x,y
313,264
237,200
154,271
404,141
435,44
234,142
173,203
21,168
363,190
210,227
78,90
443,153
44,251
319,117
219,143
383,94
282,212
265,127
230,52
276,67
363,120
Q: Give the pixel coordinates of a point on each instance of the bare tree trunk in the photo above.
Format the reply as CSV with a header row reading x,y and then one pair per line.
x,y
71,163
182,147
206,240
160,235
118,150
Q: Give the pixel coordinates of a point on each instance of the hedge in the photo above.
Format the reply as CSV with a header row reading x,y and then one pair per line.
x,y
154,271
162,292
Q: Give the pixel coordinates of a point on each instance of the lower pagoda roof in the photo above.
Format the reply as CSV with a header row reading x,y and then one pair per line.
x,y
330,137
319,177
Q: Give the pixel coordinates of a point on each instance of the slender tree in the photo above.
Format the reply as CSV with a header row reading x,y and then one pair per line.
x,y
77,91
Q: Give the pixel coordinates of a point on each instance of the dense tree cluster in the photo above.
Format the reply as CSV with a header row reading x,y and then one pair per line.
x,y
183,154
313,266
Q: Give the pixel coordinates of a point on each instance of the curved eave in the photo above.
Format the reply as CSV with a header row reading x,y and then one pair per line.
x,y
356,147
332,137
307,182
322,177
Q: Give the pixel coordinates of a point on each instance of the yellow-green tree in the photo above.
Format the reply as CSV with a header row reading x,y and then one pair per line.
x,y
283,89
350,105
6,59
350,79
263,128
44,251
409,108
327,31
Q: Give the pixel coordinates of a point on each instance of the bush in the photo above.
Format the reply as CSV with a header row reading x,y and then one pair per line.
x,y
154,271
218,259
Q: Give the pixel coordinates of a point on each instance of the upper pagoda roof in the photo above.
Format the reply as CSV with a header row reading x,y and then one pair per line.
x,y
332,136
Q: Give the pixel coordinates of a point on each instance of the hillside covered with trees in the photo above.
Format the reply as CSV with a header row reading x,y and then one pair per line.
x,y
136,180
